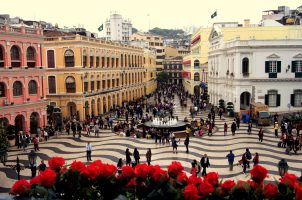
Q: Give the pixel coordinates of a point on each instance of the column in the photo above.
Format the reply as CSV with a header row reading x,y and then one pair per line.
x,y
25,89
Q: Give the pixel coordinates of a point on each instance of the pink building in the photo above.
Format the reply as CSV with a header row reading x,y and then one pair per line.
x,y
22,78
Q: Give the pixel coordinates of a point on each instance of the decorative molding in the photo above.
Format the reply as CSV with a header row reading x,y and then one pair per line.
x,y
298,56
273,56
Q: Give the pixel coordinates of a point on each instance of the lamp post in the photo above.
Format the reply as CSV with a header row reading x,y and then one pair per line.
x,y
85,107
32,158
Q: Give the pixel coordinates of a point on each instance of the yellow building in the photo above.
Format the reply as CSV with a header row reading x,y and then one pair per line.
x,y
150,83
195,68
152,42
88,76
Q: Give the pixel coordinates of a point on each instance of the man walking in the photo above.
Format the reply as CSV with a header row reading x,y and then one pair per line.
x,y
187,140
225,128
233,128
231,157
276,127
88,151
260,134
204,162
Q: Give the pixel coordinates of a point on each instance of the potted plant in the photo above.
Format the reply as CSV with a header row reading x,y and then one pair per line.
x,y
230,109
222,104
10,133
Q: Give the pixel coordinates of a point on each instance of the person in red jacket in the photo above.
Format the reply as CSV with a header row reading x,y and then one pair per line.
x,y
36,143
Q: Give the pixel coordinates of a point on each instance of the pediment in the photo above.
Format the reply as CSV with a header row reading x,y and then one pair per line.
x,y
273,56
298,55
215,32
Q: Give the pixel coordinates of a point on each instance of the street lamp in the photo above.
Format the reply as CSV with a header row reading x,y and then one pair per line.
x,y
85,107
32,158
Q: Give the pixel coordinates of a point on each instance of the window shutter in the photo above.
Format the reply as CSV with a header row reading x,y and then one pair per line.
x,y
278,66
293,66
292,99
50,59
267,66
278,99
266,99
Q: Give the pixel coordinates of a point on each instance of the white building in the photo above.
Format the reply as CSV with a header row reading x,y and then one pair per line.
x,y
118,29
267,71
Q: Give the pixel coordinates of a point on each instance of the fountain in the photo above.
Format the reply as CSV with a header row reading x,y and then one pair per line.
x,y
166,123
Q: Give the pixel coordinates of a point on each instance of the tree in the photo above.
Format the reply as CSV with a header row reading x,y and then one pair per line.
x,y
162,77
3,140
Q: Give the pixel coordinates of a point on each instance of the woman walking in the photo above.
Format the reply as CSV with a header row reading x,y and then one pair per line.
x,y
136,156
256,159
148,156
128,157
260,134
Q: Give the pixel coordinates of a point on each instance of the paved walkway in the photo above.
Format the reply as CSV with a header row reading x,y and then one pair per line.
x,y
109,148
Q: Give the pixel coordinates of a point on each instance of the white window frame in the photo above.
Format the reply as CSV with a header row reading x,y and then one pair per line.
x,y
298,101
298,66
273,66
272,98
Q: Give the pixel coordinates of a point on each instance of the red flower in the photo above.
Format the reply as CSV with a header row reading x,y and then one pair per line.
x,y
256,185
35,180
194,180
97,163
258,173
20,187
48,178
298,191
107,170
77,165
91,172
159,175
141,171
131,183
289,179
191,192
175,168
205,188
127,172
270,190
56,163
212,178
228,185
182,177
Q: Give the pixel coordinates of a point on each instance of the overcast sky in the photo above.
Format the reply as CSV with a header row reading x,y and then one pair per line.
x,y
162,13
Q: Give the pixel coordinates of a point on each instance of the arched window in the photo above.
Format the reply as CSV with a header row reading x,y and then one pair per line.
x,y
70,84
196,64
1,57
15,56
245,66
84,58
32,87
69,58
196,76
31,57
2,90
17,88
91,58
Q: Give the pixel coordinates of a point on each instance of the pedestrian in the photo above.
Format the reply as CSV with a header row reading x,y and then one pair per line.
x,y
220,113
256,159
276,127
225,128
128,157
42,167
198,167
174,144
73,128
238,122
193,169
148,156
45,134
249,128
245,162
204,162
136,156
36,144
79,129
19,140
233,128
186,142
119,166
33,169
260,134
96,130
282,167
231,157
248,156
88,151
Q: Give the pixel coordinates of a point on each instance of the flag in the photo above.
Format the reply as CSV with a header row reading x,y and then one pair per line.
x,y
101,28
214,15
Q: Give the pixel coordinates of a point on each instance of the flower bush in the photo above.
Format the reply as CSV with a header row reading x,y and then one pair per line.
x,y
102,181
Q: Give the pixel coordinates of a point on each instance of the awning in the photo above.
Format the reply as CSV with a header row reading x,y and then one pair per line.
x,y
196,39
187,62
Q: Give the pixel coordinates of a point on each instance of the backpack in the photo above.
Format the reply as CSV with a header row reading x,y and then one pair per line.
x,y
248,155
